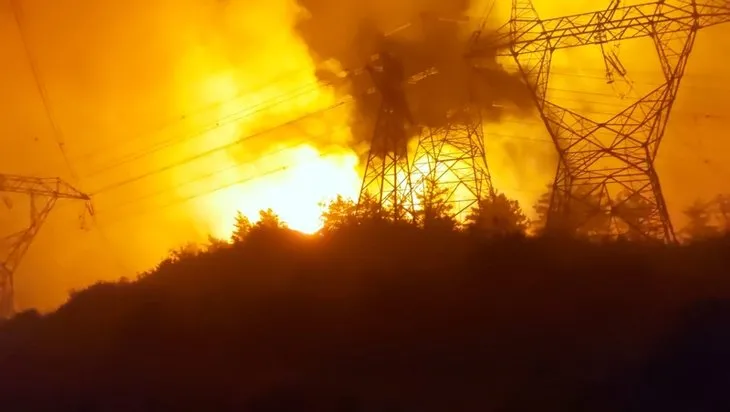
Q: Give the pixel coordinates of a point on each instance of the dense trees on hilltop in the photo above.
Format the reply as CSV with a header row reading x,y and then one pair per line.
x,y
372,314
436,212
499,216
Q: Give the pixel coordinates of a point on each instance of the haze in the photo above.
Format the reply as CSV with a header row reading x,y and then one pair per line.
x,y
140,89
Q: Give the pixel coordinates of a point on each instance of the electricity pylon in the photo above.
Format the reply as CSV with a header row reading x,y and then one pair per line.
x,y
43,193
607,168
387,176
454,156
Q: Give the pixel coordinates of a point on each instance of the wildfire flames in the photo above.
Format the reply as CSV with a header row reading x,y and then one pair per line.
x,y
296,177
294,154
217,106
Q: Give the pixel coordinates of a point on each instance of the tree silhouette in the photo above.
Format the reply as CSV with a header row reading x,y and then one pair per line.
x,y
369,209
542,209
723,210
577,219
633,212
188,250
215,244
269,220
255,325
268,223
181,253
342,213
338,214
498,216
700,222
241,228
435,210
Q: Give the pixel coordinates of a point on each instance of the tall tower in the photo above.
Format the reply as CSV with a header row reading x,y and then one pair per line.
x,y
387,177
43,193
606,168
454,157
452,154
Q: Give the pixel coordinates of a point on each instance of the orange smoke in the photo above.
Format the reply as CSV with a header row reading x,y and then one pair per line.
x,y
142,88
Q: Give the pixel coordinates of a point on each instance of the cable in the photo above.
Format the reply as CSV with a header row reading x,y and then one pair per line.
x,y
198,178
282,98
487,13
192,114
219,124
214,150
249,111
58,134
124,269
209,192
255,177
231,118
172,142
231,167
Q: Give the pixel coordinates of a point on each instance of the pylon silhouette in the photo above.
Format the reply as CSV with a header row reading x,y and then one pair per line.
x,y
387,178
16,245
454,157
607,168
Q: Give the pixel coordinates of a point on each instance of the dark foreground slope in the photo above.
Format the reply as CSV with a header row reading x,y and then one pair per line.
x,y
393,319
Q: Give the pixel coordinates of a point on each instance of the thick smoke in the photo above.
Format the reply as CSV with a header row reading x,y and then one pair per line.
x,y
421,34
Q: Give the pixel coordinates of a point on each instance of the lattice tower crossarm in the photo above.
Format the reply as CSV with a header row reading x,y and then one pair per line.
x,y
527,33
607,168
43,193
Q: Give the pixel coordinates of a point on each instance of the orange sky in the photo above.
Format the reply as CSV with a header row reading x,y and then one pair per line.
x,y
136,84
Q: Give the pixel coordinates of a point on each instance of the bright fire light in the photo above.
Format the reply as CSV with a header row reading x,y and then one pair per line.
x,y
295,193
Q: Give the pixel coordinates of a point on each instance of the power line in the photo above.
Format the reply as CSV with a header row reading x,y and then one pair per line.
x,y
570,72
249,111
228,119
239,115
194,113
214,150
206,193
256,177
58,134
198,179
231,167
124,269
173,142
220,148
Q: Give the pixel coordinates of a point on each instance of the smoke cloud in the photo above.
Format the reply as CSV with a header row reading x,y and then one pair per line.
x,y
124,77
421,35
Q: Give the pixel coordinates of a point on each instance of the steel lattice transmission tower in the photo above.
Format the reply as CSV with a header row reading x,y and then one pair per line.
x,y
607,168
43,193
387,178
454,155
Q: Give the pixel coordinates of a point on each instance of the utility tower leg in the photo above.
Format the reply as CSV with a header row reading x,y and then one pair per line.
x,y
387,177
7,292
15,247
606,181
455,158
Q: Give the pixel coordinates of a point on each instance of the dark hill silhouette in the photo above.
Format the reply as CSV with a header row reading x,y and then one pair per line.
x,y
385,317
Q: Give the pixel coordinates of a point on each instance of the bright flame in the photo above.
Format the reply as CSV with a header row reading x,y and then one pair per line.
x,y
291,169
295,193
295,178
285,169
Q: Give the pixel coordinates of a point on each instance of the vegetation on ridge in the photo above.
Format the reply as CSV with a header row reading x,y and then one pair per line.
x,y
375,315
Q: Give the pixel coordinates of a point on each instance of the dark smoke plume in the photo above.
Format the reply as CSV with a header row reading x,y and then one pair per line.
x,y
432,34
